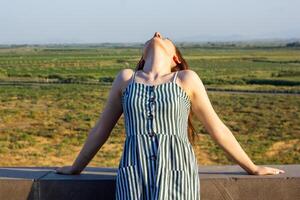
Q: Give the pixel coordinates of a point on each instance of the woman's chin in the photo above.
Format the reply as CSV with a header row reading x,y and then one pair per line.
x,y
156,44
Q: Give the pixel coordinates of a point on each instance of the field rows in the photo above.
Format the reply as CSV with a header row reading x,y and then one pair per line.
x,y
46,125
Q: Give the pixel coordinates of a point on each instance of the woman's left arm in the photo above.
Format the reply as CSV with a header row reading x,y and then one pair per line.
x,y
220,133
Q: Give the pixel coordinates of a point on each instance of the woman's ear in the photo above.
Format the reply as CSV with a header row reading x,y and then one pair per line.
x,y
176,60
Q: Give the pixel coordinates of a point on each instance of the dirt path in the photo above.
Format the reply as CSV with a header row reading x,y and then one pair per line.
x,y
272,92
254,92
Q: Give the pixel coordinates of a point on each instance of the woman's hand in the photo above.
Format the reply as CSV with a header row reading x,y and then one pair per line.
x,y
69,170
262,170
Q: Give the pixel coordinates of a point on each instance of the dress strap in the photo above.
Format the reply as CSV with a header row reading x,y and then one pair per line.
x,y
175,76
133,76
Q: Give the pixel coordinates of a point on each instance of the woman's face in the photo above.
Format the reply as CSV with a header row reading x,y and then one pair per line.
x,y
161,43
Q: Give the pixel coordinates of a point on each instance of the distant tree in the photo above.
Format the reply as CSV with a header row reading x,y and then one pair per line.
x,y
293,44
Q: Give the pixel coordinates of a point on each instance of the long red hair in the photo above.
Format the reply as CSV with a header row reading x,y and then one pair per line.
x,y
180,66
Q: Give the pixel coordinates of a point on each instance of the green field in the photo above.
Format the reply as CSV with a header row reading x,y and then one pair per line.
x,y
46,124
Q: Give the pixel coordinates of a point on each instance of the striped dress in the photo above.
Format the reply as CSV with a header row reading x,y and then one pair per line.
x,y
158,161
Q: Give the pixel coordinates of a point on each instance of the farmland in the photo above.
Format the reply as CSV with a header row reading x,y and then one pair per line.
x,y
50,98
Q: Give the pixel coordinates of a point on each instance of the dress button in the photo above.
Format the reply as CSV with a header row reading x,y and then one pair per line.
x,y
152,133
151,99
150,116
152,105
153,157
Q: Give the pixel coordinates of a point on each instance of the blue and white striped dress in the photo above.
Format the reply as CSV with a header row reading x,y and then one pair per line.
x,y
158,161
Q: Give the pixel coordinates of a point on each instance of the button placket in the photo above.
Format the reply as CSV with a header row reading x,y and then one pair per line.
x,y
151,103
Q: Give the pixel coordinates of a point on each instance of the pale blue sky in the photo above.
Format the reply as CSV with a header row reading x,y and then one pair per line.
x,y
73,21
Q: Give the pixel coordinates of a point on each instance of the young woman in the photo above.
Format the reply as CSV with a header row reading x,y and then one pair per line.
x,y
158,161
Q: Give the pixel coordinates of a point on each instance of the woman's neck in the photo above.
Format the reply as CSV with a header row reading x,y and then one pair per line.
x,y
157,64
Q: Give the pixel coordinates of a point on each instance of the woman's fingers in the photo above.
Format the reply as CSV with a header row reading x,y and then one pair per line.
x,y
262,170
277,171
271,170
66,170
62,170
58,170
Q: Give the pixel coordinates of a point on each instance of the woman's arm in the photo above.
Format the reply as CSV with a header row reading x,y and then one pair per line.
x,y
220,133
101,131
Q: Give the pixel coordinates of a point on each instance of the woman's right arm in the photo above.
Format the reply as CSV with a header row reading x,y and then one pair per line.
x,y
101,131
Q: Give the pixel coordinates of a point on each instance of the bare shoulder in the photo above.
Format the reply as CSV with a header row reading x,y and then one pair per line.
x,y
188,74
126,73
124,77
190,81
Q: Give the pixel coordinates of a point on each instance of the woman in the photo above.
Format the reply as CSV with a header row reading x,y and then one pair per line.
x,y
158,161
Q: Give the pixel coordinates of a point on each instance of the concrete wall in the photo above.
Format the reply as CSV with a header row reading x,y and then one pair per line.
x,y
216,182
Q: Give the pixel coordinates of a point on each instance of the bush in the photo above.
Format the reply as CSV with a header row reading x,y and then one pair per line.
x,y
69,78
293,44
288,73
272,82
106,79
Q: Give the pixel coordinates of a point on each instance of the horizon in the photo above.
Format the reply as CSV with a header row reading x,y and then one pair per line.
x,y
203,42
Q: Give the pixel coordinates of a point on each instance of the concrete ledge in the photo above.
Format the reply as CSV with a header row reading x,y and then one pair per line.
x,y
216,182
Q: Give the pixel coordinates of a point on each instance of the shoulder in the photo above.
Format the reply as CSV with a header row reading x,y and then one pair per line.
x,y
190,81
123,78
188,75
125,74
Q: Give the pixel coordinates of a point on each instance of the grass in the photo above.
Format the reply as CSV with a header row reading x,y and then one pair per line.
x,y
46,125
56,125
275,66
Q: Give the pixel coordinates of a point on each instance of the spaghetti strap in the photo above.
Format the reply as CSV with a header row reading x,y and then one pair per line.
x,y
175,76
133,76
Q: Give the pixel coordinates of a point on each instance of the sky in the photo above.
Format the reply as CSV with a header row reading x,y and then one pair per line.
x,y
98,21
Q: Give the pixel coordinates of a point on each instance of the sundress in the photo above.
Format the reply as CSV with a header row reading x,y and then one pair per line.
x,y
158,161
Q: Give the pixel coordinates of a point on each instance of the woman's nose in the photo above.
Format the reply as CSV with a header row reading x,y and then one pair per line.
x,y
157,34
